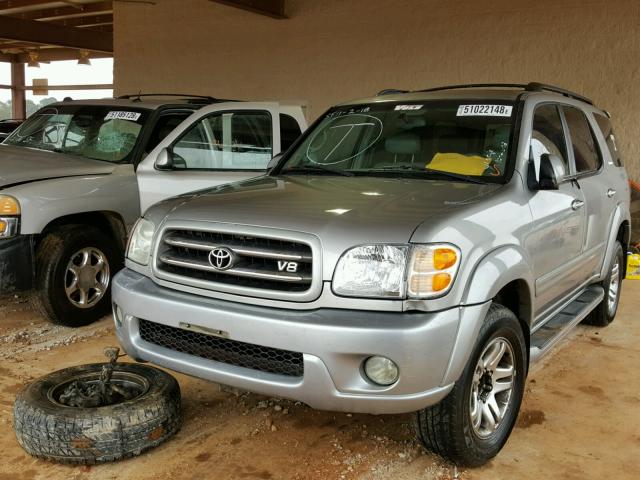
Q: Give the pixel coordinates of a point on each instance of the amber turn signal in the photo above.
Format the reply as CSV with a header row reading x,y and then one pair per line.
x,y
9,205
444,258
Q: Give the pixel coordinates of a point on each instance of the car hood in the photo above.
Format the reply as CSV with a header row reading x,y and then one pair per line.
x,y
341,211
19,165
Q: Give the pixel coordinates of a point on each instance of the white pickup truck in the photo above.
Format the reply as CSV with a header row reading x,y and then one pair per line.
x,y
76,176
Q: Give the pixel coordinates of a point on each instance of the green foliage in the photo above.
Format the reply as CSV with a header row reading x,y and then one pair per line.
x,y
5,107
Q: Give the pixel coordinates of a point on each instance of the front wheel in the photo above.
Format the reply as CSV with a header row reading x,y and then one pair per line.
x,y
472,424
74,265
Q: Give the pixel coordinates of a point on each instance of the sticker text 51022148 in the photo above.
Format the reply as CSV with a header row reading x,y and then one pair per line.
x,y
485,110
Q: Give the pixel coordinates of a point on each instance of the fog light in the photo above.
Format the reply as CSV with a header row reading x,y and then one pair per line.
x,y
117,315
381,370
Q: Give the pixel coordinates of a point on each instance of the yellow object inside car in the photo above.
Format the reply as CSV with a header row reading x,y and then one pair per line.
x,y
458,163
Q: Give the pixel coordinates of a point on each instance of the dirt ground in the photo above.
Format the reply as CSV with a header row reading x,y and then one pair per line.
x,y
580,418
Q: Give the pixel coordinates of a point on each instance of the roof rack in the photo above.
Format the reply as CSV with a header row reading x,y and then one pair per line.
x,y
538,87
529,87
137,97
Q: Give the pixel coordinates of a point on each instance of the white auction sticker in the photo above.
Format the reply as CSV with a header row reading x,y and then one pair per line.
x,y
485,110
408,107
133,116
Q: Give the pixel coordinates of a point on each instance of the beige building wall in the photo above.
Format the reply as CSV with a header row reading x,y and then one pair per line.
x,y
334,50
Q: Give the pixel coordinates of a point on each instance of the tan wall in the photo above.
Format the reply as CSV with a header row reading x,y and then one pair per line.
x,y
333,50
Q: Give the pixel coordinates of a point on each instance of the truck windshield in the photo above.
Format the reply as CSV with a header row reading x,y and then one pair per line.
x,y
97,132
450,140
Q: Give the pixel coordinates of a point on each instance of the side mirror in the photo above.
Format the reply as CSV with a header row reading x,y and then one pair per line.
x,y
552,172
164,160
273,162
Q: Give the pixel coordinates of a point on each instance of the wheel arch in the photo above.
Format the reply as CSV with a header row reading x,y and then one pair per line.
x,y
502,275
620,230
108,222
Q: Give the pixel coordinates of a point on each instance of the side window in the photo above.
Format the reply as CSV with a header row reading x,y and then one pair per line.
x,y
607,131
548,134
226,141
163,127
585,149
289,131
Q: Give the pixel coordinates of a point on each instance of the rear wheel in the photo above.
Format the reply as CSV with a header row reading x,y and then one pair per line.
x,y
472,424
604,313
74,265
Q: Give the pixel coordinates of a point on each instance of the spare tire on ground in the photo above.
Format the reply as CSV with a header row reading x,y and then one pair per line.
x,y
57,417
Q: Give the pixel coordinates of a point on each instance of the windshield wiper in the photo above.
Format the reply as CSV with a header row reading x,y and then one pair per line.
x,y
407,169
316,169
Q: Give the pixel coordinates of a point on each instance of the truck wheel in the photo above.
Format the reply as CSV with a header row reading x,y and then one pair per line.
x,y
603,314
74,265
49,429
472,424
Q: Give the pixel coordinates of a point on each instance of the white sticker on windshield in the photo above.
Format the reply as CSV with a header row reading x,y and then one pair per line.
x,y
408,107
132,116
484,110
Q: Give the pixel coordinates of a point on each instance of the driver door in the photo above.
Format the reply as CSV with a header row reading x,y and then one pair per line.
x,y
222,143
555,242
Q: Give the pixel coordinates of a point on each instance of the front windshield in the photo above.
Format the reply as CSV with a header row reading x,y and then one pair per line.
x,y
96,132
451,140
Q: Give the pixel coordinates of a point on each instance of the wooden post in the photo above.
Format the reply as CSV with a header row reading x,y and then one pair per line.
x,y
18,93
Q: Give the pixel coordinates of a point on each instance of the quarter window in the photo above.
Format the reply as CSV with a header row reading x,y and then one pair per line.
x,y
226,141
607,131
585,150
548,135
289,131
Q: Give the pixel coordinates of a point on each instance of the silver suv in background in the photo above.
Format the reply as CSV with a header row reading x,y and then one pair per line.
x,y
412,252
76,176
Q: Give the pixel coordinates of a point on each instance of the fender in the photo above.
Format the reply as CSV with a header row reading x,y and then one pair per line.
x,y
619,215
493,272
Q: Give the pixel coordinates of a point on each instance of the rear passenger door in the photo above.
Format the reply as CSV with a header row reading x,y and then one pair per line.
x,y
590,177
219,144
555,242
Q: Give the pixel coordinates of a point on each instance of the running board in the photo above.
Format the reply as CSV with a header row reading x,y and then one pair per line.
x,y
563,322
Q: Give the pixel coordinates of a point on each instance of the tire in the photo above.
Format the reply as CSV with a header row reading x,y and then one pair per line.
x,y
447,428
53,257
49,430
605,312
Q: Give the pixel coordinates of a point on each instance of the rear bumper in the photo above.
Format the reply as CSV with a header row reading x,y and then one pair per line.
x,y
16,264
334,343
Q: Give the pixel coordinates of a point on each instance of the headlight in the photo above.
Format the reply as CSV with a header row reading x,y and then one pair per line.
x,y
372,271
139,248
9,216
397,271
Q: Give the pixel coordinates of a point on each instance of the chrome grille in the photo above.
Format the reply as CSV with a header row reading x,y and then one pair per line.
x,y
224,350
258,262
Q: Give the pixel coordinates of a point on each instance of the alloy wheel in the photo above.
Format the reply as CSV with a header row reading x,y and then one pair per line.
x,y
492,387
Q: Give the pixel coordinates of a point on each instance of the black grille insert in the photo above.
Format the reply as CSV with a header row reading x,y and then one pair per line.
x,y
261,262
247,355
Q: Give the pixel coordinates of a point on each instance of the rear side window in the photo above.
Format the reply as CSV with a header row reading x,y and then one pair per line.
x,y
289,131
585,149
548,136
607,131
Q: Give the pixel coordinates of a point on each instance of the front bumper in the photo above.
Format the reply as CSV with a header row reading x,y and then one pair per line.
x,y
334,343
16,264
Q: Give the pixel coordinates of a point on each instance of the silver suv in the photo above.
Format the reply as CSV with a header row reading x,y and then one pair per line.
x,y
412,252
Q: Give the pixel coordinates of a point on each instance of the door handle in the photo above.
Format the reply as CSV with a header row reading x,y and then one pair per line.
x,y
611,192
577,204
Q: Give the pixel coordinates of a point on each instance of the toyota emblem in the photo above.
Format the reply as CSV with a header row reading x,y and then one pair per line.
x,y
221,258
